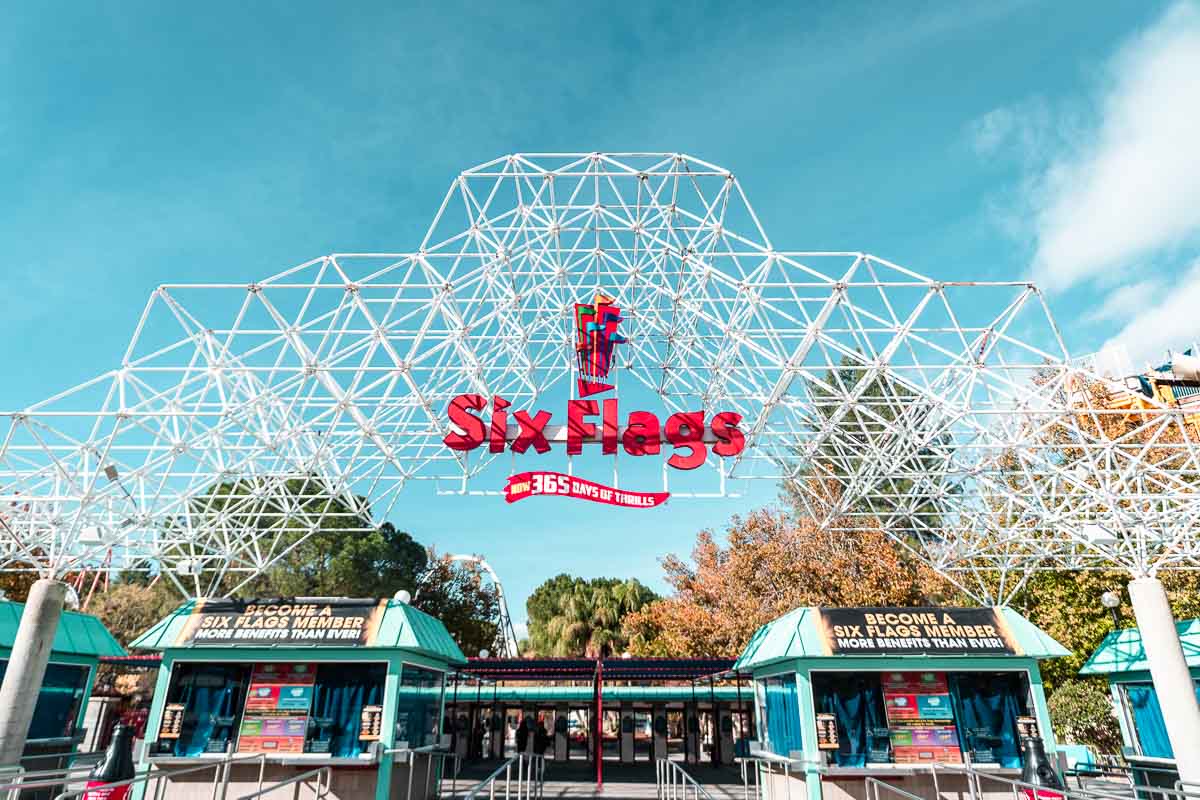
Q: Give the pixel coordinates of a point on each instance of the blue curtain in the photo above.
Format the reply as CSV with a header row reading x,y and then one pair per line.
x,y
339,697
209,693
986,707
1148,719
857,703
783,715
204,705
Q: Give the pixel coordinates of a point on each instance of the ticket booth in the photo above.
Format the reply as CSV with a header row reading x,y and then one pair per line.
x,y
58,717
853,692
1122,660
306,681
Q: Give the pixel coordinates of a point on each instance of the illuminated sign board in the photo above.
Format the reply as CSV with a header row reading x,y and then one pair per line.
x,y
689,435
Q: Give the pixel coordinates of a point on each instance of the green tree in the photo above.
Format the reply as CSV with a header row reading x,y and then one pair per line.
x,y
469,607
375,564
1081,713
572,616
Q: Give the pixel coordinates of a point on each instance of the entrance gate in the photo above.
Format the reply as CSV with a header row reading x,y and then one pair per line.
x,y
628,694
948,412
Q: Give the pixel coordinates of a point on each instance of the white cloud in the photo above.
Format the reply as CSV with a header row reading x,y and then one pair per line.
x,y
1030,130
1126,301
989,132
1130,188
1171,324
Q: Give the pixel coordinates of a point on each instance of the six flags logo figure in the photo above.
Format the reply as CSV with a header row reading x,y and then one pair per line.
x,y
689,433
596,339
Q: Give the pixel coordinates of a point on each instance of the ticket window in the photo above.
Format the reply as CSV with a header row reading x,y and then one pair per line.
x,y
340,695
204,704
419,704
921,717
281,708
58,702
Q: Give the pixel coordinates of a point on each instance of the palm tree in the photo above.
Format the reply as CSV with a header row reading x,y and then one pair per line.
x,y
587,619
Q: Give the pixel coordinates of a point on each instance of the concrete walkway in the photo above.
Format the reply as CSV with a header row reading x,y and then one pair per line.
x,y
577,779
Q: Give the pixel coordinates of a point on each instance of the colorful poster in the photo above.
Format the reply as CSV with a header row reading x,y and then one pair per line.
x,y
921,718
278,700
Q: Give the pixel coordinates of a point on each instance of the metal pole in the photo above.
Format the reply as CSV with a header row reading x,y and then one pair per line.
x,y
27,665
1169,671
600,723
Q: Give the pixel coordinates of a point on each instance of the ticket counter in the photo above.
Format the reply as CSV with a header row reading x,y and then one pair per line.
x,y
306,681
854,692
58,717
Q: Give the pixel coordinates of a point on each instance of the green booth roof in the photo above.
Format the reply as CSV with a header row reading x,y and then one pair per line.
x,y
401,628
78,634
797,634
1121,651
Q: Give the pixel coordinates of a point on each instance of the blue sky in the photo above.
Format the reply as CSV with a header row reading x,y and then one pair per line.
x,y
142,145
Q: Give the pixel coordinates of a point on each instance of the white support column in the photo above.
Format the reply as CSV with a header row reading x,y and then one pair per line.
x,y
1169,671
27,665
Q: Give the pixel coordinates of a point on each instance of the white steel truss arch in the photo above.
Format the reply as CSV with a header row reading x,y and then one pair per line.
x,y
949,413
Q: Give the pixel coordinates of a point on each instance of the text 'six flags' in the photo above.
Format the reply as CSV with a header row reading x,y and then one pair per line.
x,y
528,484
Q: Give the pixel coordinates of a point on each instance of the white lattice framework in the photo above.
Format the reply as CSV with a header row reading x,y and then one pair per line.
x,y
948,412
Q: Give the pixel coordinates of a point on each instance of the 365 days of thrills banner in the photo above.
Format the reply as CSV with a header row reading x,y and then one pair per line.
x,y
332,623
528,484
915,631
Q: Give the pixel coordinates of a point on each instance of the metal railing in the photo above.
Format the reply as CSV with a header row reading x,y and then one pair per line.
x,y
873,785
433,777
1021,790
156,779
16,777
320,787
530,783
674,783
761,772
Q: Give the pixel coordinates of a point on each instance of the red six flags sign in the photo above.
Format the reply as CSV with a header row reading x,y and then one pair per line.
x,y
688,434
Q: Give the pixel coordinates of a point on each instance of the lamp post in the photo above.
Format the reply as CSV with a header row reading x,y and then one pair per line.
x,y
1112,601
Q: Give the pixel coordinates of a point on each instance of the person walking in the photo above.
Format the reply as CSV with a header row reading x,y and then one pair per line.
x,y
541,739
523,734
